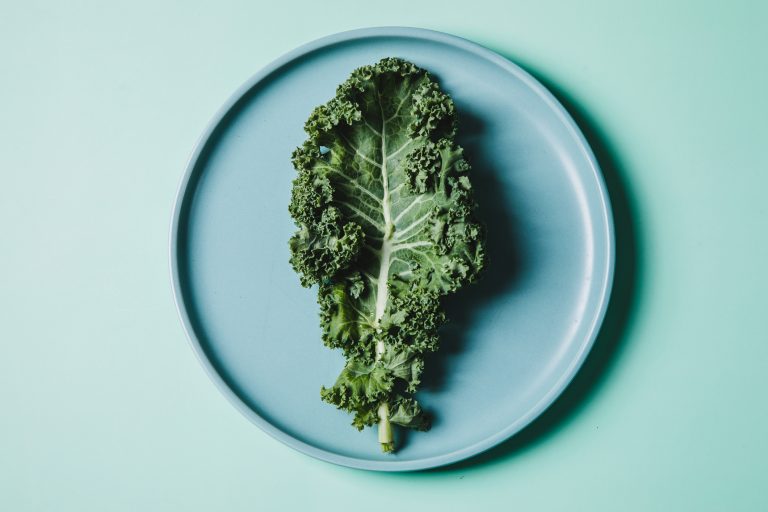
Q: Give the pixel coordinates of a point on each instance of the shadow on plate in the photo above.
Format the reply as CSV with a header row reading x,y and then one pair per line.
x,y
499,279
506,261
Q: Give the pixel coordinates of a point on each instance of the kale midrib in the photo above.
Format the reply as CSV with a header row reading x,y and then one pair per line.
x,y
386,243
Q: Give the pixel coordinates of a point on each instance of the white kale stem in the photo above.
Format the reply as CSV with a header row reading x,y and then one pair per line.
x,y
386,244
385,427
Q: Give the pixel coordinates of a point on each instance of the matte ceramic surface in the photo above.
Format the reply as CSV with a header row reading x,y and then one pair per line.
x,y
516,339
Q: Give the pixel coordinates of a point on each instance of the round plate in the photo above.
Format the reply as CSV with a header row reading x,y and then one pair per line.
x,y
516,338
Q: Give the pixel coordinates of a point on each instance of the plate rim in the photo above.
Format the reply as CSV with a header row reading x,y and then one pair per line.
x,y
182,199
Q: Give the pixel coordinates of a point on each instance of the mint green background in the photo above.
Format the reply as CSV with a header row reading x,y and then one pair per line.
x,y
104,406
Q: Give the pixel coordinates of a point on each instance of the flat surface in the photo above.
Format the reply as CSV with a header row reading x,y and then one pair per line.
x,y
515,339
104,406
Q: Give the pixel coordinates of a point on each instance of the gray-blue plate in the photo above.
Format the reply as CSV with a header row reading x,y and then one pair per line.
x,y
517,338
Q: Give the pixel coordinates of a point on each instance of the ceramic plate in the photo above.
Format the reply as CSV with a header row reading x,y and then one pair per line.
x,y
516,338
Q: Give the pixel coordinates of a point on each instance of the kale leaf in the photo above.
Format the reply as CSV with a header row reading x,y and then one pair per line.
x,y
386,227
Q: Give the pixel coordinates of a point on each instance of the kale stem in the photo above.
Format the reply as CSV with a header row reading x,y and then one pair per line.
x,y
382,293
385,429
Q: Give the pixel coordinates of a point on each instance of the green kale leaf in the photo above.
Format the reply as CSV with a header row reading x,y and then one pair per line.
x,y
386,227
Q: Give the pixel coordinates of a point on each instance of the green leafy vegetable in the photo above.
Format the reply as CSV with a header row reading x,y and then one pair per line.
x,y
386,227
